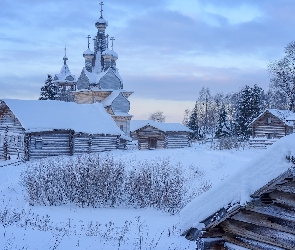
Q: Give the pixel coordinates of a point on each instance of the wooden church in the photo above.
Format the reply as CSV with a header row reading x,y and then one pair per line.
x,y
99,80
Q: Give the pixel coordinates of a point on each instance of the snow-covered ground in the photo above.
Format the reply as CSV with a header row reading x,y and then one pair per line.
x,y
71,227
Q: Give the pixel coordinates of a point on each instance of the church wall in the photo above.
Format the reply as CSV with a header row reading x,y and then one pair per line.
x,y
110,81
121,104
123,122
83,81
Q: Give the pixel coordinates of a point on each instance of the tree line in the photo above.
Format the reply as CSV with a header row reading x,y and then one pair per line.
x,y
229,115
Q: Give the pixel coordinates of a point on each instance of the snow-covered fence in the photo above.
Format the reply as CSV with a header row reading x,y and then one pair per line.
x,y
100,181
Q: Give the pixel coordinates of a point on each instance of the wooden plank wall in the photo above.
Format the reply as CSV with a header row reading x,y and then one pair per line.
x,y
12,134
49,143
110,81
177,140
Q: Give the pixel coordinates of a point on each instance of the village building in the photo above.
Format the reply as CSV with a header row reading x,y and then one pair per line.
x,y
269,126
152,134
31,129
99,80
253,209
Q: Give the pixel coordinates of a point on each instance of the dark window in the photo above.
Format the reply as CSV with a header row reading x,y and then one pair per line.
x,y
38,143
152,143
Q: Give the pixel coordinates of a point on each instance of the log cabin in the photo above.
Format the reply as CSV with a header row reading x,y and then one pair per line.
x,y
253,209
270,126
152,135
31,129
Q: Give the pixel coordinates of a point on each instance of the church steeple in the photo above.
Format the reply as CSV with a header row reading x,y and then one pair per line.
x,y
109,57
101,25
88,55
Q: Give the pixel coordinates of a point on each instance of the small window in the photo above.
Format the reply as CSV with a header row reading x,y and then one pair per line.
x,y
38,143
19,141
269,120
122,127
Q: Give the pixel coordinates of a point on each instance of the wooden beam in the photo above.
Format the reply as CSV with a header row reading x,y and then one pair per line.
x,y
213,232
275,210
258,219
288,187
262,234
283,198
248,243
213,244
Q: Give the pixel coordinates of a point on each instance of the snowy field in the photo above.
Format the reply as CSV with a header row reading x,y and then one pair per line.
x,y
71,227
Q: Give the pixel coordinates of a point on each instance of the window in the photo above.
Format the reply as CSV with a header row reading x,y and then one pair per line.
x,y
38,143
269,120
122,127
19,141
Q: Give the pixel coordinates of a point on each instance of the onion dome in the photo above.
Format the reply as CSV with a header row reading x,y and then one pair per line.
x,y
89,54
101,23
110,53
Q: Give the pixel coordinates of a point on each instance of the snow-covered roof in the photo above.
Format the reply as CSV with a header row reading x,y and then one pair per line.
x,y
163,126
37,115
108,100
239,187
281,114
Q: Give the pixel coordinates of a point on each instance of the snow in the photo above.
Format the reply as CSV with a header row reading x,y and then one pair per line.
x,y
238,188
88,52
36,115
163,126
71,227
110,52
108,101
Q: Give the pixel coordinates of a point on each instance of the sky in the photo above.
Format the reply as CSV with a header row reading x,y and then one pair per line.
x,y
168,50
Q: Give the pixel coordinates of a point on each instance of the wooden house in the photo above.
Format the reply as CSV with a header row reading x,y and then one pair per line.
x,y
254,209
36,129
270,126
152,135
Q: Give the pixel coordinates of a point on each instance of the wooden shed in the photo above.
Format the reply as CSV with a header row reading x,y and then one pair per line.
x,y
269,126
35,129
152,135
252,210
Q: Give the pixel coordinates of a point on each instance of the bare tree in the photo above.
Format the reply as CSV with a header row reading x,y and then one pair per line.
x,y
157,116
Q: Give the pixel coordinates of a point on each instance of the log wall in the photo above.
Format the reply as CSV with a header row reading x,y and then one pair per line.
x,y
163,139
266,223
12,135
271,127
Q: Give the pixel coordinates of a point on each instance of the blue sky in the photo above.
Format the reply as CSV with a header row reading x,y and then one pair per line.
x,y
167,50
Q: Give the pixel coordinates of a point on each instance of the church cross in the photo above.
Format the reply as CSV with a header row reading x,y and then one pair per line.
x,y
112,39
65,57
107,36
101,10
88,37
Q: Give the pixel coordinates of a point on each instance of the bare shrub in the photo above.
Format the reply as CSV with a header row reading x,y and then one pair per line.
x,y
100,181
